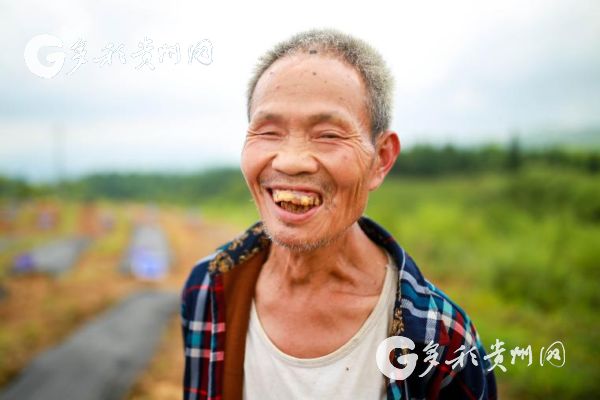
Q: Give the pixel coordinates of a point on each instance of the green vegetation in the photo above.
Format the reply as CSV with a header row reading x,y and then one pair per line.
x,y
216,184
511,236
519,253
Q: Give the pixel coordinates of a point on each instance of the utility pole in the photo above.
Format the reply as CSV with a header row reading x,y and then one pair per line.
x,y
59,154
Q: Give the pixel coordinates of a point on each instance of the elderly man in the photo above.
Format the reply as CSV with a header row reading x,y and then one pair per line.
x,y
298,305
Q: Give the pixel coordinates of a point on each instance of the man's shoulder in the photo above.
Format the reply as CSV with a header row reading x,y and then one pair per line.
x,y
225,257
428,314
438,325
198,275
427,306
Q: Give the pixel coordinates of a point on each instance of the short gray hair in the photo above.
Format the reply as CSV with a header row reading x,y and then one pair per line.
x,y
359,54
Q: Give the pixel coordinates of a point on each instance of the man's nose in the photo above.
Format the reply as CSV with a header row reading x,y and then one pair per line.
x,y
295,156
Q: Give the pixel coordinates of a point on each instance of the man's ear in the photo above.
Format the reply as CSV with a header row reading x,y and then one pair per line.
x,y
387,147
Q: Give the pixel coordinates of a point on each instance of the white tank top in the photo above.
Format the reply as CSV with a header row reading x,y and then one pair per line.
x,y
350,372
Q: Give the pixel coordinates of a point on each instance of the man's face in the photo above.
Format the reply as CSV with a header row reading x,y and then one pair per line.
x,y
308,158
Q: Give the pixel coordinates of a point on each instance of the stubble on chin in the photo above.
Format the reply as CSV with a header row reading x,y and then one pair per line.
x,y
303,246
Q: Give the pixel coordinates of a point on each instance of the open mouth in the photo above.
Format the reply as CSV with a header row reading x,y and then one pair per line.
x,y
295,201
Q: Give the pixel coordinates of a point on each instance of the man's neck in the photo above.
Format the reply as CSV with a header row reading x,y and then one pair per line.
x,y
348,261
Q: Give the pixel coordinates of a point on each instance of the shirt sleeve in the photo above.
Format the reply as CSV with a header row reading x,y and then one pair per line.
x,y
185,335
189,303
476,380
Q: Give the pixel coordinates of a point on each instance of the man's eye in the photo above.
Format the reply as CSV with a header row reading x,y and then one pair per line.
x,y
265,134
329,135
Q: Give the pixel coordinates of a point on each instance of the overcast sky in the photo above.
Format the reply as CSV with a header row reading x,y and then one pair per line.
x,y
466,72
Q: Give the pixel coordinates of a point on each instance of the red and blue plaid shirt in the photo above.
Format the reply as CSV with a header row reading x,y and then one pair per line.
x,y
423,313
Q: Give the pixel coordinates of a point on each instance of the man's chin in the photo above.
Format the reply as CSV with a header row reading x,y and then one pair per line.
x,y
294,241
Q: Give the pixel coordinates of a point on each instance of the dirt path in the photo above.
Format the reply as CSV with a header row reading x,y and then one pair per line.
x,y
102,360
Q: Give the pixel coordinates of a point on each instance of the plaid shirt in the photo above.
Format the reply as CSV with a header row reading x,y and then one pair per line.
x,y
422,313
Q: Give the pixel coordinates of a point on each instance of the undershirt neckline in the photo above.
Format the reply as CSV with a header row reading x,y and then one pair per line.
x,y
347,347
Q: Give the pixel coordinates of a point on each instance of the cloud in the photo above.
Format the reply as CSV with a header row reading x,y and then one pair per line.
x,y
465,70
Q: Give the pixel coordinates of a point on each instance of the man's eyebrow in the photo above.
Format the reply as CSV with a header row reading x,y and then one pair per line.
x,y
328,117
264,117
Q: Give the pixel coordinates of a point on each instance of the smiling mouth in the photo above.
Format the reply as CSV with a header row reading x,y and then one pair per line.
x,y
297,202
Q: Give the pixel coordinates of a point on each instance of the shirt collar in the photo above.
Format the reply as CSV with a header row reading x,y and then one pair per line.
x,y
411,283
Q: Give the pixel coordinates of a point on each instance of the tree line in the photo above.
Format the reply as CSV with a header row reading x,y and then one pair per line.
x,y
419,161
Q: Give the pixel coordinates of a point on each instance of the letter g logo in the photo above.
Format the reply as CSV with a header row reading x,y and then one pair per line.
x,y
383,358
55,59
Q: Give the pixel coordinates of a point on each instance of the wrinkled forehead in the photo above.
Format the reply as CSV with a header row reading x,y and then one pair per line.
x,y
306,80
308,57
